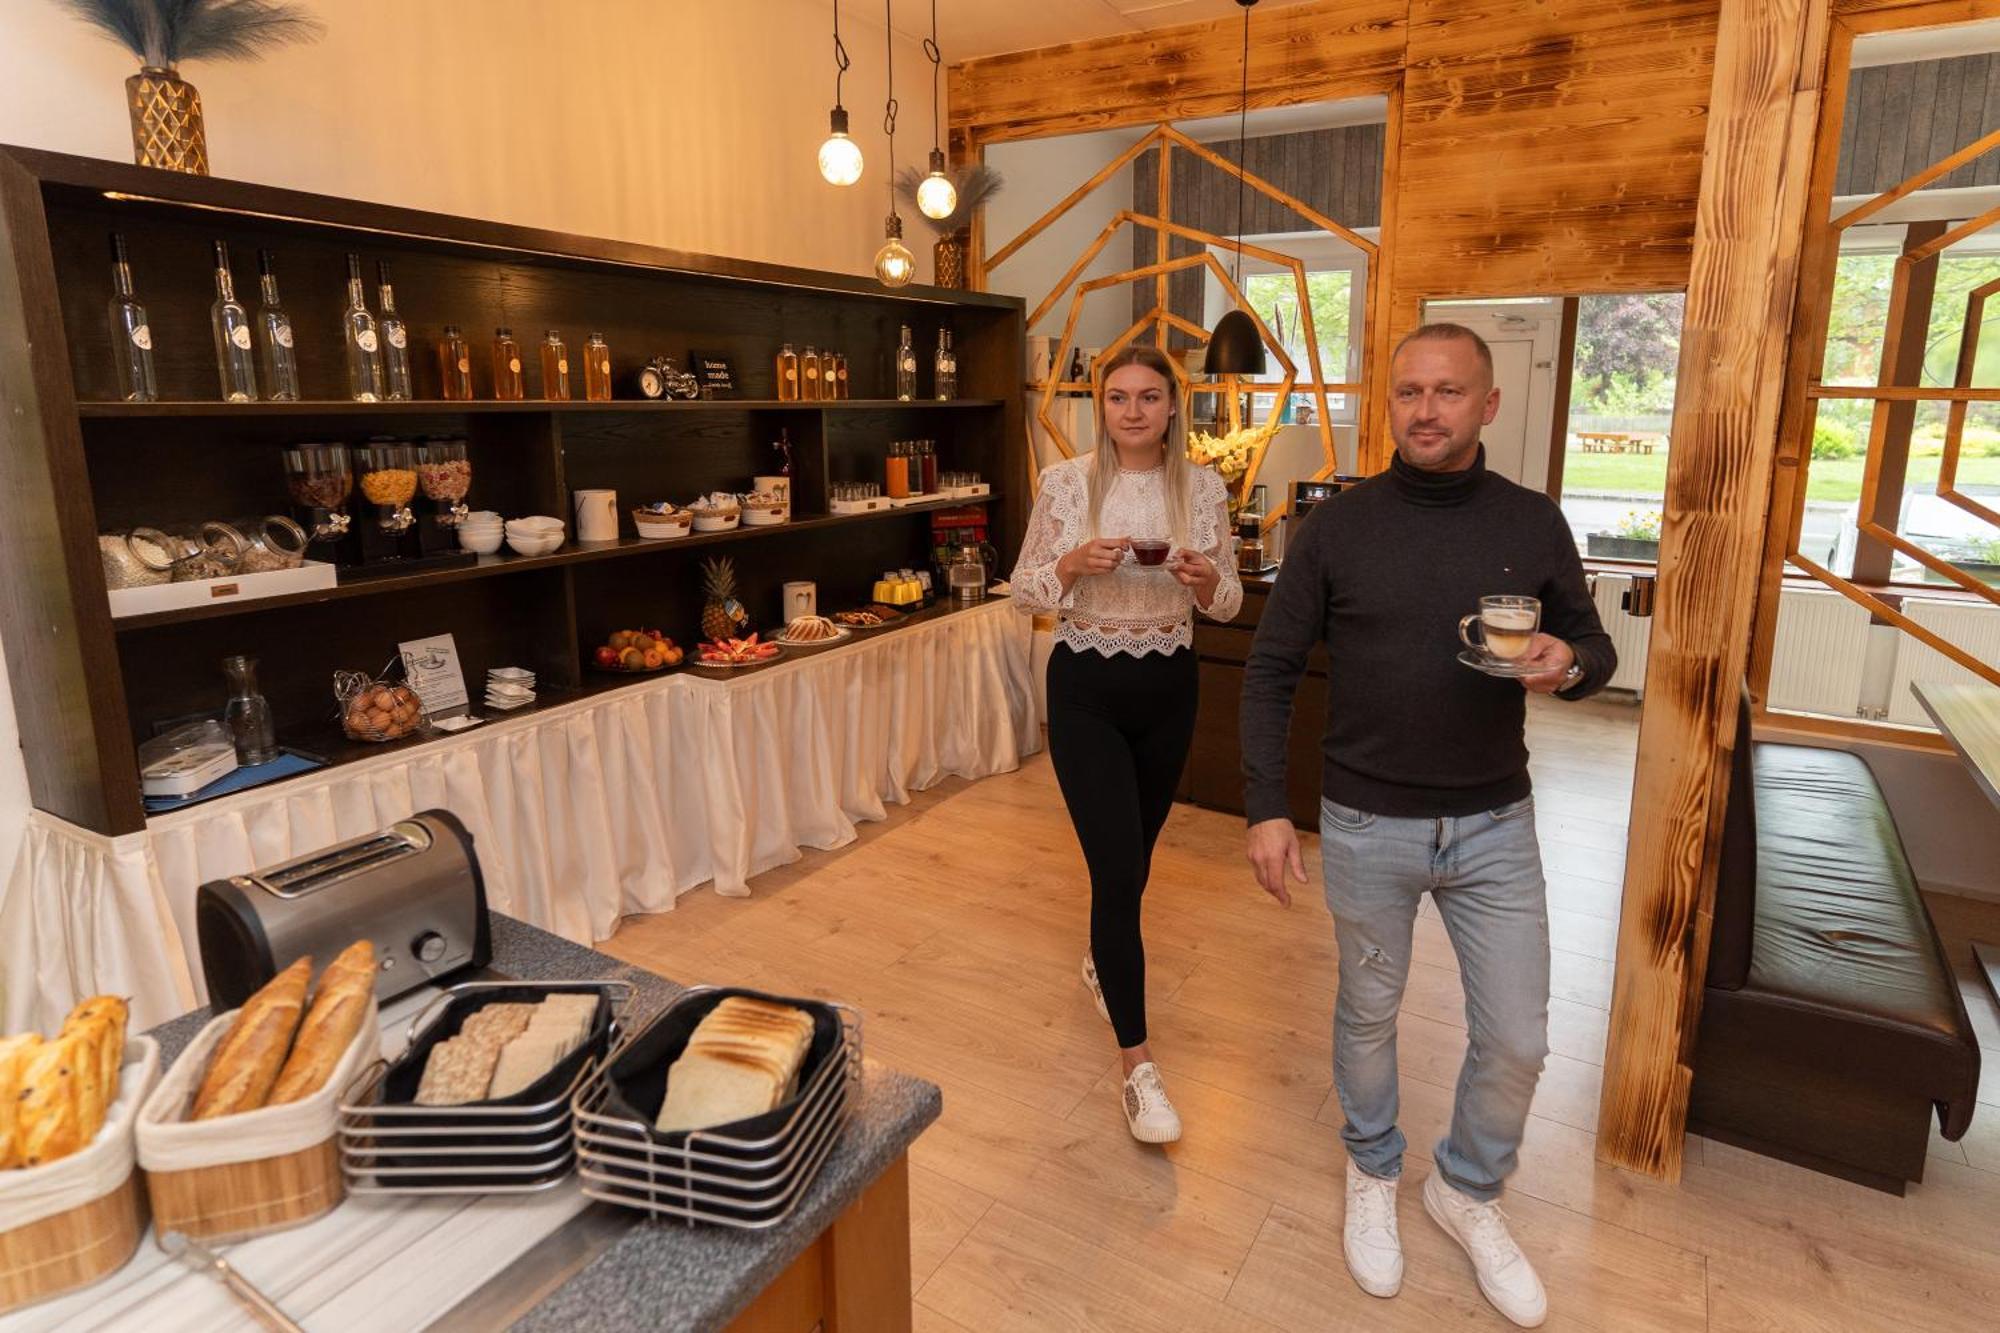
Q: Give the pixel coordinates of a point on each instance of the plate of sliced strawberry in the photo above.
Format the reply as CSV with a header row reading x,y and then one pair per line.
x,y
751,651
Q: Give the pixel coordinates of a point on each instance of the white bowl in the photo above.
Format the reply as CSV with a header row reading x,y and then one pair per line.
x,y
535,523
479,543
533,545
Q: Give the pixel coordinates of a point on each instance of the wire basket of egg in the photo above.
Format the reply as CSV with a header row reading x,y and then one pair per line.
x,y
377,709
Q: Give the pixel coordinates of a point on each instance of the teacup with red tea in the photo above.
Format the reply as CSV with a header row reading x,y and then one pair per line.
x,y
1151,550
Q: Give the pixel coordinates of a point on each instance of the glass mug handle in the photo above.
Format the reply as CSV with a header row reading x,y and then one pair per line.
x,y
1466,624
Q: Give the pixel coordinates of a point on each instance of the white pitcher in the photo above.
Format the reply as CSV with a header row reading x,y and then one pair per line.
x,y
596,516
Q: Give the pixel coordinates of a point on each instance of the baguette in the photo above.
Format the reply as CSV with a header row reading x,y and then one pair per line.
x,y
49,1127
112,1012
247,1060
338,1008
15,1052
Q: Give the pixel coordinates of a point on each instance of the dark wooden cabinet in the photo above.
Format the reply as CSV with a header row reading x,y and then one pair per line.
x,y
75,462
1214,776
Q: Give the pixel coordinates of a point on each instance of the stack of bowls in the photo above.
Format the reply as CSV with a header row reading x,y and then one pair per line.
x,y
479,532
535,535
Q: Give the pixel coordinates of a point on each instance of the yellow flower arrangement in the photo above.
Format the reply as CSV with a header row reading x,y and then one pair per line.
x,y
1230,455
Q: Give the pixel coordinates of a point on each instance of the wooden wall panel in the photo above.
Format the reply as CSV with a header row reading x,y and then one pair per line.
x,y
1551,147
1302,53
1750,230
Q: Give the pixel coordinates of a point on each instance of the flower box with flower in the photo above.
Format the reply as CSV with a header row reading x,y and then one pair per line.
x,y
1635,537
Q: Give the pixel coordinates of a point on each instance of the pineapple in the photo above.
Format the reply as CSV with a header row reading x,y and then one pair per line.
x,y
723,617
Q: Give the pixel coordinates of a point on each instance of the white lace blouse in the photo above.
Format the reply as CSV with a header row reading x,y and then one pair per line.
x,y
1136,609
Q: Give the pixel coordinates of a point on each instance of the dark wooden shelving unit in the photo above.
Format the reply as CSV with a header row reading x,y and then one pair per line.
x,y
74,462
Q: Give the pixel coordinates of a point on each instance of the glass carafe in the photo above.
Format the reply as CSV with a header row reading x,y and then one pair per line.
x,y
966,575
248,713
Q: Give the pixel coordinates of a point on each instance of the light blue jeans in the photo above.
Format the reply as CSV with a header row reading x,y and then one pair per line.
x,y
1484,872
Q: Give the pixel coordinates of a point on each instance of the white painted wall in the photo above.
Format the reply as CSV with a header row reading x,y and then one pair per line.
x,y
692,126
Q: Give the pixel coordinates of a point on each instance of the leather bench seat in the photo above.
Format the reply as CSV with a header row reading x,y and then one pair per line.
x,y
1832,1028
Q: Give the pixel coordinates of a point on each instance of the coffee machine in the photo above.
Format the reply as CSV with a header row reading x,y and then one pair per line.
x,y
1307,494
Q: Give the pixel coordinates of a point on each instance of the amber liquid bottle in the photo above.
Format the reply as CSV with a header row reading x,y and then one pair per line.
x,y
839,376
455,365
788,374
555,368
596,369
811,386
507,379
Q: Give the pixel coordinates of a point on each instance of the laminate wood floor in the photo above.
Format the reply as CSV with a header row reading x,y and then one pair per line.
x,y
958,925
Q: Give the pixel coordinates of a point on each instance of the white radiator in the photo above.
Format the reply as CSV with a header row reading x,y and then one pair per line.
x,y
1820,655
1972,626
1630,635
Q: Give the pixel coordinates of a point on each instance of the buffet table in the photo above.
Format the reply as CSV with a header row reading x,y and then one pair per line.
x,y
583,812
604,1268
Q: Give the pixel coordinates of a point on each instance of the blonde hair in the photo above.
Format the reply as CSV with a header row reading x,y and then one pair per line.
x,y
1178,474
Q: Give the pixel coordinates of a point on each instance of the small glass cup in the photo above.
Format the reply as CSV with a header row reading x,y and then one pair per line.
x,y
1507,625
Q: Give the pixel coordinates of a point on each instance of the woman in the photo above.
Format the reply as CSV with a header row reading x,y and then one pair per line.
x,y
1122,676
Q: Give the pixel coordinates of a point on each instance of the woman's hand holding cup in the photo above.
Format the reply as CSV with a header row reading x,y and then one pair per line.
x,y
1196,572
1099,556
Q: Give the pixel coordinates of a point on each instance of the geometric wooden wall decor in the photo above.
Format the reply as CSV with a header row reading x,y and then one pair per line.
x,y
1885,394
1159,319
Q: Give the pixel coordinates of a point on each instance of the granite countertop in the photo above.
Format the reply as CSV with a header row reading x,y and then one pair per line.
x,y
671,1275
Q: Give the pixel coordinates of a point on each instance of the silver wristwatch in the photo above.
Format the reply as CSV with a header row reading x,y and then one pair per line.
x,y
1571,677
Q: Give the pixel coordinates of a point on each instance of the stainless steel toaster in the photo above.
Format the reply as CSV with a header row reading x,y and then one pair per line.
x,y
414,889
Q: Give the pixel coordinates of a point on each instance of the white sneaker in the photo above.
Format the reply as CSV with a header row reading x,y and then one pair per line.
x,y
1096,991
1369,1237
1506,1278
1148,1113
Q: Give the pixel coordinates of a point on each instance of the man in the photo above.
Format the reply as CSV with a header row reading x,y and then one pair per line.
x,y
1425,789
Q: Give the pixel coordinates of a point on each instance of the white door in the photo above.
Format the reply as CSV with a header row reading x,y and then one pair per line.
x,y
1523,336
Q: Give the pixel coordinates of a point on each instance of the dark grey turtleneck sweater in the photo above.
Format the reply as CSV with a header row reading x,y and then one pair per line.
x,y
1382,573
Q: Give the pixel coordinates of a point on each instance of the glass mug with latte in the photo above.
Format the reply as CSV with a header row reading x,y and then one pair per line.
x,y
1507,626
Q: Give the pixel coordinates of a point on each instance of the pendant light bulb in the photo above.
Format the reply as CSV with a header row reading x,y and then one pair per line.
x,y
840,156
894,264
937,197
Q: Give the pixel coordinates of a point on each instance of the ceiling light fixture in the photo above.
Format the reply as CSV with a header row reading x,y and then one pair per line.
x,y
894,264
1235,347
839,156
936,196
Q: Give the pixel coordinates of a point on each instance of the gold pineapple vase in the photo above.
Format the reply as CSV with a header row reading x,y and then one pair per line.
x,y
166,121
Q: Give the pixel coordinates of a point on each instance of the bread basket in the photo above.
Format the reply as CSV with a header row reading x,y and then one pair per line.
x,y
68,1223
242,1175
749,1175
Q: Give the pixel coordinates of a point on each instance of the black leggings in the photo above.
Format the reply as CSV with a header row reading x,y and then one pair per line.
x,y
1119,730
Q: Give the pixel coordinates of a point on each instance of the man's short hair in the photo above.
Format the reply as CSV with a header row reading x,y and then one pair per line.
x,y
1442,332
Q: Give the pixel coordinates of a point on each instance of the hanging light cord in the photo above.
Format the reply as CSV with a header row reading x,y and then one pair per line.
x,y
840,60
937,66
890,108
1242,148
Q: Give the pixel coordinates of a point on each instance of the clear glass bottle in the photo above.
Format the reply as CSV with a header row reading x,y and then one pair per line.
x,y
235,358
555,368
455,365
364,346
596,369
131,336
941,368
248,713
906,369
508,386
281,364
950,368
810,382
395,337
788,374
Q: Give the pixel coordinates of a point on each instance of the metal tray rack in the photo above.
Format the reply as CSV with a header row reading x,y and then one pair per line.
x,y
711,1176
516,1149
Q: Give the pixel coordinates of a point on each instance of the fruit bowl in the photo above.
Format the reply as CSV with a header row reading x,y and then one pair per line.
x,y
637,652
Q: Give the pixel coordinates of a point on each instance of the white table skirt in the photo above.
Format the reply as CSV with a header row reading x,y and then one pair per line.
x,y
582,814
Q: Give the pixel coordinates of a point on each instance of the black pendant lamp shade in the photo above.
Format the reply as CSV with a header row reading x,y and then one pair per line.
x,y
1235,347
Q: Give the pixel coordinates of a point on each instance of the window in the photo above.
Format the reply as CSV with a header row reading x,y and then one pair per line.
x,y
1337,287
1621,406
1856,326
